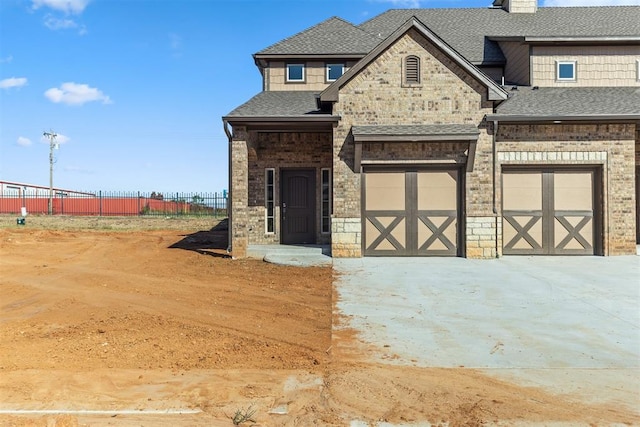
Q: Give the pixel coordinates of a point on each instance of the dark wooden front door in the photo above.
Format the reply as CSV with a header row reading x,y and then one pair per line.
x,y
298,209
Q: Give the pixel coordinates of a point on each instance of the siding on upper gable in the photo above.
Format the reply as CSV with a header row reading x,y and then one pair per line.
x,y
518,67
315,75
596,65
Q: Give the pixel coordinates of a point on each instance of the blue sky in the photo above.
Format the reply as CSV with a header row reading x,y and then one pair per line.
x,y
136,88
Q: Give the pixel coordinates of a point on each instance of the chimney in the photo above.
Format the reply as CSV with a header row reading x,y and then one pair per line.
x,y
517,6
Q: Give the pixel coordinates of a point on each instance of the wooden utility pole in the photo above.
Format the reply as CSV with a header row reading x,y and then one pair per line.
x,y
52,144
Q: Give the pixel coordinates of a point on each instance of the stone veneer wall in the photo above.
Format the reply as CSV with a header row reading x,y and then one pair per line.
x,y
610,146
376,96
282,150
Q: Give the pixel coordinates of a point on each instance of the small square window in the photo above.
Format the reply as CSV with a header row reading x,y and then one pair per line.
x,y
566,71
295,72
334,72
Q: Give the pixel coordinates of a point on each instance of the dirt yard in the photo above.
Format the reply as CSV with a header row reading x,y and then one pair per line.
x,y
131,321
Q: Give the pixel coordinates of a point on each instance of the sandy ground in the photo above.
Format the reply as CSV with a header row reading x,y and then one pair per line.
x,y
140,321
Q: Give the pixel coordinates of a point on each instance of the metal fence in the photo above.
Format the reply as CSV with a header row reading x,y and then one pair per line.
x,y
111,203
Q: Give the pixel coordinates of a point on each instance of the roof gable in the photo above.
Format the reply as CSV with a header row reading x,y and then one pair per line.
x,y
333,36
494,91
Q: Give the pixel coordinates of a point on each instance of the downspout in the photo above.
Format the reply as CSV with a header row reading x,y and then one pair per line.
x,y
225,125
495,184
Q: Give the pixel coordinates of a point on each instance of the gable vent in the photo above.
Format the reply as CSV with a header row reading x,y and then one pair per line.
x,y
412,70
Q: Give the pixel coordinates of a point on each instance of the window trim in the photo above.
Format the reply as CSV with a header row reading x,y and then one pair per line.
x,y
324,214
405,69
326,67
304,72
638,70
566,79
268,171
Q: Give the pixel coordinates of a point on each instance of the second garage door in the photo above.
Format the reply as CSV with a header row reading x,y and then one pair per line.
x,y
411,213
550,211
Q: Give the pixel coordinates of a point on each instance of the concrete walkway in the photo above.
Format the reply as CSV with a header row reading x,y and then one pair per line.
x,y
568,324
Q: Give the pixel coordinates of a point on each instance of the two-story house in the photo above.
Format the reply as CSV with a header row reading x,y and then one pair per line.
x,y
462,132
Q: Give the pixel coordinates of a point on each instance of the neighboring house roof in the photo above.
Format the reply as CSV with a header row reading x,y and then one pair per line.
x,y
334,36
579,103
495,92
287,105
470,31
416,132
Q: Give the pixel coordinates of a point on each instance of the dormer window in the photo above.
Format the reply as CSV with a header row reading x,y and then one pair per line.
x,y
566,71
334,72
295,73
411,70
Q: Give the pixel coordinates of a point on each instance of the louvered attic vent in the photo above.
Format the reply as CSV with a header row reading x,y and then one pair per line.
x,y
411,70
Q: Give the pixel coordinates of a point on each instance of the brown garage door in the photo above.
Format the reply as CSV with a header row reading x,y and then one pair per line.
x,y
411,213
550,212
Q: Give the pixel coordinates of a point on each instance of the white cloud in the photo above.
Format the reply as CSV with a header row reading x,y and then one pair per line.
x,y
66,6
6,60
562,3
13,82
54,23
23,142
71,93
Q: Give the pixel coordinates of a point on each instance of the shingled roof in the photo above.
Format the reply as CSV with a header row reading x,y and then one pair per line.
x,y
284,104
468,31
552,103
334,36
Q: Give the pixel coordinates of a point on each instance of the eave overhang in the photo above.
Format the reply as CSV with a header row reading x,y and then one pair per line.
x,y
284,123
557,119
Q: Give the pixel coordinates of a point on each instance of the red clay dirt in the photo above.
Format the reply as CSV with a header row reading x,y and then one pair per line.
x,y
162,320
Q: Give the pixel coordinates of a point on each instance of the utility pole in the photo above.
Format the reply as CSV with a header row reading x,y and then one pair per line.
x,y
52,144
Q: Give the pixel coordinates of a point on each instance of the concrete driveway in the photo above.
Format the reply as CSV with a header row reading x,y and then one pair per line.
x,y
568,324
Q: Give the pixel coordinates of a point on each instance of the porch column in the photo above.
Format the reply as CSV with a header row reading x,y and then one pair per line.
x,y
239,193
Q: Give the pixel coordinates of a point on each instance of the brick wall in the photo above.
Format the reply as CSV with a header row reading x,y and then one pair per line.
x,y
238,187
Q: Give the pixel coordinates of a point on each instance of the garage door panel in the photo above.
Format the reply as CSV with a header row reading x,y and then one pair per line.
x,y
549,212
437,190
437,232
385,232
522,191
523,232
573,191
385,191
574,233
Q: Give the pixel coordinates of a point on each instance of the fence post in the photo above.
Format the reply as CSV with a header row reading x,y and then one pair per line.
x,y
100,201
139,209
